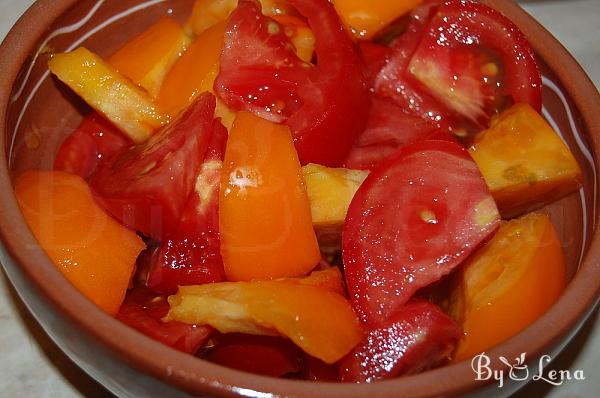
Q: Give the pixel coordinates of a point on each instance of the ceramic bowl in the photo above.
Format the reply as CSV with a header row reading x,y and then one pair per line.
x,y
36,113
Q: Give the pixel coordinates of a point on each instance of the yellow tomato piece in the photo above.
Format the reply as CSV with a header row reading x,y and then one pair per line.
x,y
299,33
524,162
330,192
92,250
319,320
207,13
106,90
365,18
193,73
264,212
508,284
147,58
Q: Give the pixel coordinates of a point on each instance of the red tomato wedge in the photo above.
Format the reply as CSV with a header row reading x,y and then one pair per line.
x,y
143,311
93,143
389,128
264,355
476,62
395,83
191,254
419,336
147,187
259,71
325,106
418,215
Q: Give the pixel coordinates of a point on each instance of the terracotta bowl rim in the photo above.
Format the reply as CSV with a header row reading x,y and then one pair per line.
x,y
198,376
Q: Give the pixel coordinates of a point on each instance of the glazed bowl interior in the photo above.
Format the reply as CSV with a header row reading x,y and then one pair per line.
x,y
39,112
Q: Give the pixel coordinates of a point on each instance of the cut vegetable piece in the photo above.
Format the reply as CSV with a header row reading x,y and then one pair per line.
x,y
299,34
265,355
148,186
325,106
264,211
318,320
207,13
365,18
417,337
330,192
109,92
476,62
389,128
193,73
92,250
508,284
95,142
143,310
418,215
147,58
524,161
190,255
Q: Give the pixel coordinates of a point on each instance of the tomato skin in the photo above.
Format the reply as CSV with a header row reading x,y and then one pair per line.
x,y
94,142
326,106
143,311
472,34
440,211
147,187
417,337
264,355
191,254
325,130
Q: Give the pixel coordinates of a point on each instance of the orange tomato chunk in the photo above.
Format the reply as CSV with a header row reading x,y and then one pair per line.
x,y
207,13
524,162
101,86
508,284
92,250
264,211
365,18
316,318
193,73
300,34
147,58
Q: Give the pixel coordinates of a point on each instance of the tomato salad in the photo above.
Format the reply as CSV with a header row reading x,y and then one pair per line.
x,y
327,191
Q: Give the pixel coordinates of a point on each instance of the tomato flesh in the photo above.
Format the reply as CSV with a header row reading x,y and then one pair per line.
x,y
325,106
389,127
94,142
264,355
419,336
467,59
147,187
143,311
191,254
418,214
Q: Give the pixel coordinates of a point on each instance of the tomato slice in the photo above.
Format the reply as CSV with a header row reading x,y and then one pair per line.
x,y
264,355
416,338
260,70
147,187
191,254
476,61
325,106
143,311
336,101
395,83
389,128
94,142
415,218
313,369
